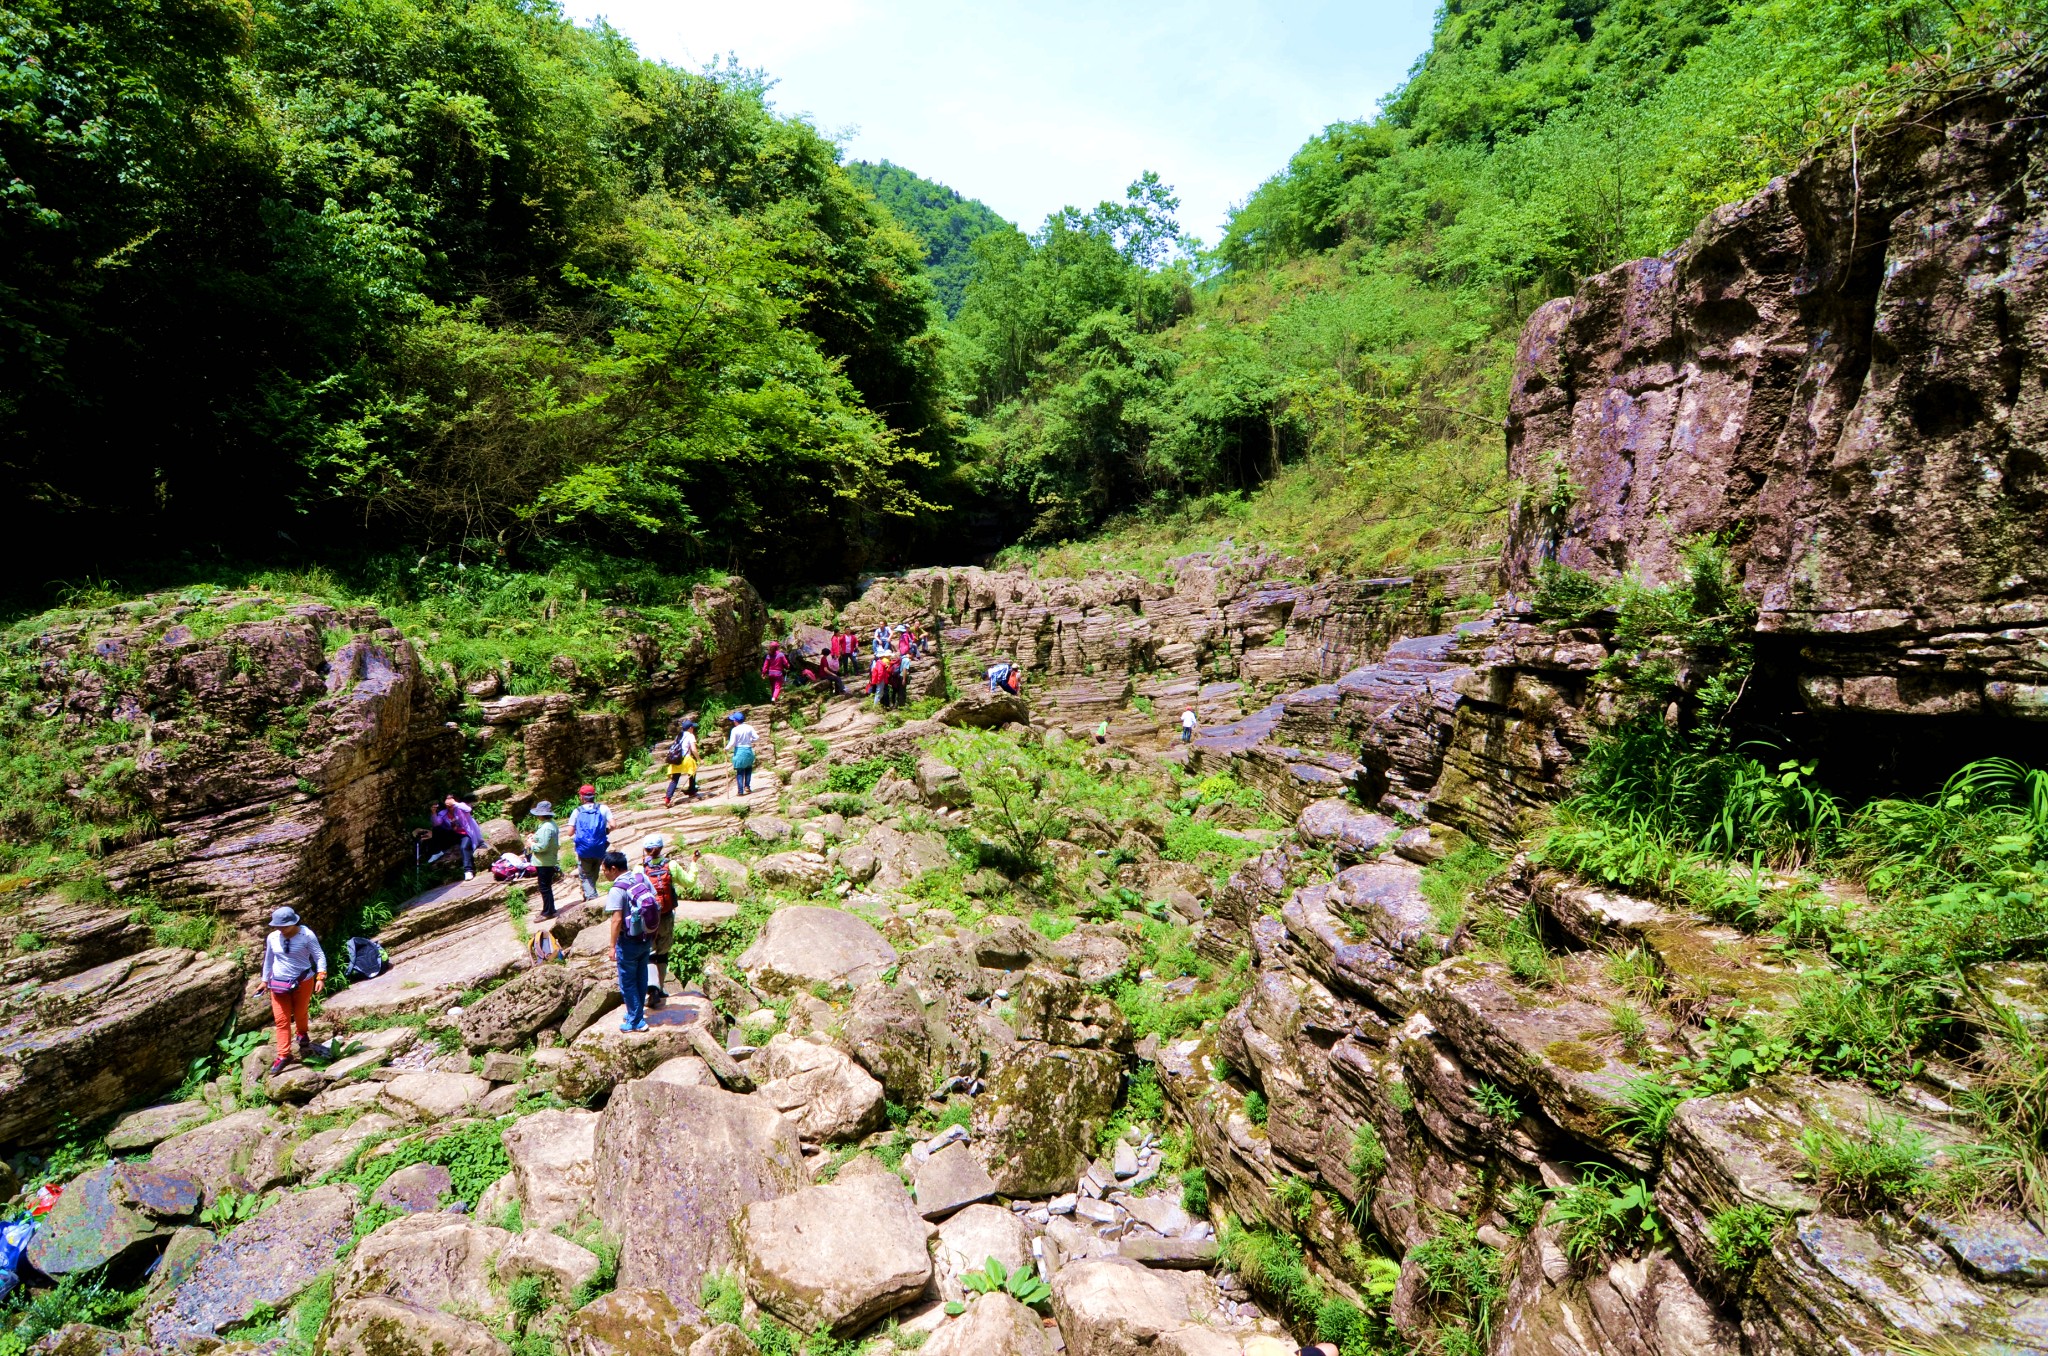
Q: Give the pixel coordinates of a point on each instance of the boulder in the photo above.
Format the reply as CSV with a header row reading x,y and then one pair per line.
x,y
109,1036
1349,832
985,710
429,1097
1035,1125
803,872
187,1245
859,862
500,1066
604,1056
949,1179
220,1154
100,1220
805,945
688,1071
553,1166
670,1194
941,784
994,1325
329,1149
151,1126
837,1256
766,829
413,1189
826,1095
435,1259
297,1083
596,1002
904,857
268,1261
377,1325
1107,1306
895,790
1061,1010
721,875
631,1322
515,1013
563,1265
885,1033
970,1238
727,1339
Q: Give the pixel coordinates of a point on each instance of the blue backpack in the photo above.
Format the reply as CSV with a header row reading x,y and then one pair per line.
x,y
592,825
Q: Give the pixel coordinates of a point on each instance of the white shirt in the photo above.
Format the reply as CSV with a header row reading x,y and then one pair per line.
x,y
689,743
742,733
1187,720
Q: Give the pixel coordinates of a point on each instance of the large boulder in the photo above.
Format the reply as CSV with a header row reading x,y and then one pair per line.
x,y
553,1156
1061,1010
378,1325
837,1256
675,1166
885,1033
327,1150
268,1261
949,1179
435,1259
433,1096
564,1267
994,1325
828,1096
107,1037
145,1129
604,1056
803,872
631,1322
970,1238
237,1152
108,1216
981,709
1108,1306
805,945
508,1017
1035,1125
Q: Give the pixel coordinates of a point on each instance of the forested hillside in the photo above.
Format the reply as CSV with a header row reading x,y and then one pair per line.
x,y
947,223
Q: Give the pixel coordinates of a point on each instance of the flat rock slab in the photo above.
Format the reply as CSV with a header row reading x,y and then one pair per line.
x,y
429,975
805,945
1180,1254
220,1153
431,1097
415,1188
836,1257
151,1126
377,1325
706,913
268,1261
950,1179
94,1224
552,1155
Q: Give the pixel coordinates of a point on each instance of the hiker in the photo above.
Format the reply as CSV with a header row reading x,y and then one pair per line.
x,y
1187,727
899,679
655,866
590,833
878,680
741,741
294,969
1319,1349
457,819
1102,731
881,640
682,761
546,849
636,914
834,670
1005,677
775,668
900,638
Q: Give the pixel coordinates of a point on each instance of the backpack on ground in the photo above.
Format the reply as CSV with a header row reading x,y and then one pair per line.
x,y
545,948
642,914
592,826
366,959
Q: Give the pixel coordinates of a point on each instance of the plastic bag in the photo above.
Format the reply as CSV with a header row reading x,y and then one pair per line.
x,y
14,1238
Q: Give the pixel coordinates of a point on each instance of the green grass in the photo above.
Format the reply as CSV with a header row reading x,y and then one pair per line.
x,y
474,1155
1603,1212
1448,885
1741,1234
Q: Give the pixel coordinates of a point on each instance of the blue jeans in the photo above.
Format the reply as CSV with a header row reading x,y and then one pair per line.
x,y
633,954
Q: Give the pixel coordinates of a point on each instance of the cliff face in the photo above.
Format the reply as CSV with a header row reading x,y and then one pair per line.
x,y
1846,377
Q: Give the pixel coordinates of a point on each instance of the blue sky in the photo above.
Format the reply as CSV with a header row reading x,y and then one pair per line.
x,y
1032,107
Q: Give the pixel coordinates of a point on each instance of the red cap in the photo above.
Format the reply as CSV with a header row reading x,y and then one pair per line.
x,y
586,790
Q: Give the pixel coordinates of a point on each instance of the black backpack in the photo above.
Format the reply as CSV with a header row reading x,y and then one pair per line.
x,y
366,959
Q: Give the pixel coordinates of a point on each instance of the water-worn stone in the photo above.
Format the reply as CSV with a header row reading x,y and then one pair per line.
x,y
435,1259
837,1256
967,1240
220,1154
95,1223
268,1261
994,1325
553,1155
805,945
430,1097
949,1179
414,1188
803,872
1035,1123
151,1126
885,1032
826,1095
674,1166
378,1325
1107,1306
515,1013
563,1266
501,1067
631,1322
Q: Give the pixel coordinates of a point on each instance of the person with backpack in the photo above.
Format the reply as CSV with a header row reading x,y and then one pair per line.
x,y
999,676
459,820
294,969
655,866
744,755
636,914
590,830
682,761
775,668
546,849
899,679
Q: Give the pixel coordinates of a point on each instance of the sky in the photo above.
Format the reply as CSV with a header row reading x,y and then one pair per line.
x,y
1034,107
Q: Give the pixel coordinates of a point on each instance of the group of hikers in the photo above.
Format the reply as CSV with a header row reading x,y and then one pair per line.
x,y
888,654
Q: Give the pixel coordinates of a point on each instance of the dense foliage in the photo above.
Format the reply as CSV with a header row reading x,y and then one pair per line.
x,y
445,272
947,223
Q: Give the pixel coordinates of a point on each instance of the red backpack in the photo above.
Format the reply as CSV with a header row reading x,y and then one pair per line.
x,y
664,883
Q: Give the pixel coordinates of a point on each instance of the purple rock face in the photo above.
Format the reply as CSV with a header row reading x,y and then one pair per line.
x,y
1843,377
93,1225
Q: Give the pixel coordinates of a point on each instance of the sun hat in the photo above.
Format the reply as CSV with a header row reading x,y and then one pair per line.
x,y
736,716
283,916
586,790
544,810
654,842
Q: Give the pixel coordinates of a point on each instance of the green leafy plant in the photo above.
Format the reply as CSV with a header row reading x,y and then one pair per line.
x,y
1602,1211
230,1208
1649,1104
1464,1280
1255,1106
1884,1160
1296,1197
1496,1103
1741,1234
1194,1191
1022,1285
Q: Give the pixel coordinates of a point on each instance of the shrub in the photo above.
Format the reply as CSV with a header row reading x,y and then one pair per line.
x,y
1296,1197
1255,1106
1464,1277
1602,1210
474,1155
1741,1234
1194,1191
1368,1159
1649,1105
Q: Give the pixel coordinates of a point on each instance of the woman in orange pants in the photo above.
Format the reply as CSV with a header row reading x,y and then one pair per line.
x,y
294,969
